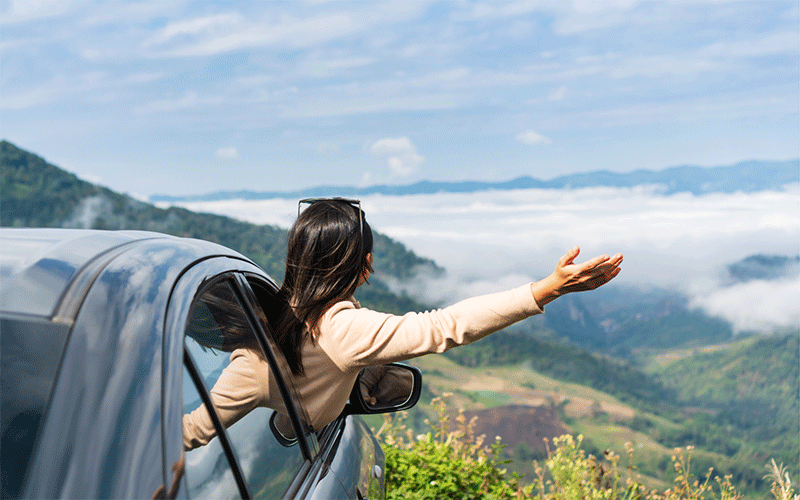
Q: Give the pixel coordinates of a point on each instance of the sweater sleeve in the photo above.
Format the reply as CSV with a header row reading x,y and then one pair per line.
x,y
234,395
355,338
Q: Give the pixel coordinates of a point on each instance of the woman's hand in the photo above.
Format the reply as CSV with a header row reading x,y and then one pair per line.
x,y
570,277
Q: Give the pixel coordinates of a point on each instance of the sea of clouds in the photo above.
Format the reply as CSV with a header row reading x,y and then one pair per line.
x,y
492,240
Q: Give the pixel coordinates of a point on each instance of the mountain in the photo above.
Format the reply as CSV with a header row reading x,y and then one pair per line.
x,y
763,267
745,176
751,387
630,322
38,194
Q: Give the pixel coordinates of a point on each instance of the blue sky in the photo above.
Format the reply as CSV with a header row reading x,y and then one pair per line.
x,y
185,97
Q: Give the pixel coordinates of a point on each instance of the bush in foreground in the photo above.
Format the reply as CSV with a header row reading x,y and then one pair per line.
x,y
447,463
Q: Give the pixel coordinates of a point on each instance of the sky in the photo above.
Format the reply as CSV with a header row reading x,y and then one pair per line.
x,y
189,97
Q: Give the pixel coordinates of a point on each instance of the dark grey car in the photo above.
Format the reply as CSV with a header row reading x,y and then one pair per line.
x,y
110,337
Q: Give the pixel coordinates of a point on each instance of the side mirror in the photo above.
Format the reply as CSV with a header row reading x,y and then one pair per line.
x,y
385,389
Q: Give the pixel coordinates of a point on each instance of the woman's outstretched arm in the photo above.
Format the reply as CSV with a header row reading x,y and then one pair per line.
x,y
354,338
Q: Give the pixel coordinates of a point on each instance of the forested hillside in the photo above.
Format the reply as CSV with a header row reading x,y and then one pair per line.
x,y
751,387
737,404
35,193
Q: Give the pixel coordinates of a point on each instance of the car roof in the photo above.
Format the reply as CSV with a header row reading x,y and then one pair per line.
x,y
38,266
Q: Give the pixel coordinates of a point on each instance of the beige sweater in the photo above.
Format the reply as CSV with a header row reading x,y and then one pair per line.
x,y
349,338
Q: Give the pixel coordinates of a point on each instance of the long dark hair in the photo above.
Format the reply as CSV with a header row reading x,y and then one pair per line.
x,y
325,260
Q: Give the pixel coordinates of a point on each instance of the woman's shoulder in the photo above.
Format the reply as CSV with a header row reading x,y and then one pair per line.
x,y
346,317
337,307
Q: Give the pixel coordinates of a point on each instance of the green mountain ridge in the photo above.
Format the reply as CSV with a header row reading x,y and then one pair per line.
x,y
38,194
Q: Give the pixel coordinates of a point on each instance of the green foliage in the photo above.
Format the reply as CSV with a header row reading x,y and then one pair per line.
x,y
624,321
740,402
566,362
679,328
571,474
35,193
445,463
752,394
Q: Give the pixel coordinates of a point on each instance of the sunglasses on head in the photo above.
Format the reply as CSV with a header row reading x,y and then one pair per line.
x,y
349,201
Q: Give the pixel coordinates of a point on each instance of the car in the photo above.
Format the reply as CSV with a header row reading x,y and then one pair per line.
x,y
110,337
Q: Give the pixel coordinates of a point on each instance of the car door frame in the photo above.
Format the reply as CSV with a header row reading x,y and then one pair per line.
x,y
187,288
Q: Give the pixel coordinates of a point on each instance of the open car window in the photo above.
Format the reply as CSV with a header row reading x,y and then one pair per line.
x,y
220,329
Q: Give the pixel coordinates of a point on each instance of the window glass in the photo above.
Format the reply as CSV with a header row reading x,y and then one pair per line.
x,y
208,473
30,354
217,327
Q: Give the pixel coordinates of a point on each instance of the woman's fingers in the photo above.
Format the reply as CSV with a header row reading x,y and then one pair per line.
x,y
594,263
569,257
610,266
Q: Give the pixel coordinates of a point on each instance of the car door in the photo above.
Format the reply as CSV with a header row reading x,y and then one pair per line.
x,y
215,313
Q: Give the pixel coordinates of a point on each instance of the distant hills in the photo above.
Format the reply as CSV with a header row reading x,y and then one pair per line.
x,y
745,176
38,194
763,267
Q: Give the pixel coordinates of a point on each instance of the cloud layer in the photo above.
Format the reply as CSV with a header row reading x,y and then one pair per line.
x,y
493,239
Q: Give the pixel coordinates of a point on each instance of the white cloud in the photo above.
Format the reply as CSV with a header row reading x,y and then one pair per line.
x,y
13,11
558,94
532,137
756,305
223,33
25,98
366,179
227,153
759,45
203,25
278,212
400,154
499,239
594,7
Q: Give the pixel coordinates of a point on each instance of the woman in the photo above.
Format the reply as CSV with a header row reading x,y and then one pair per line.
x,y
327,338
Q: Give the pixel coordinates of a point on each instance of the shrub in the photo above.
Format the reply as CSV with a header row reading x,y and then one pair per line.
x,y
447,463
576,476
444,463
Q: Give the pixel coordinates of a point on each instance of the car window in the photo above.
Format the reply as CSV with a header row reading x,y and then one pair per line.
x,y
263,441
30,353
208,473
